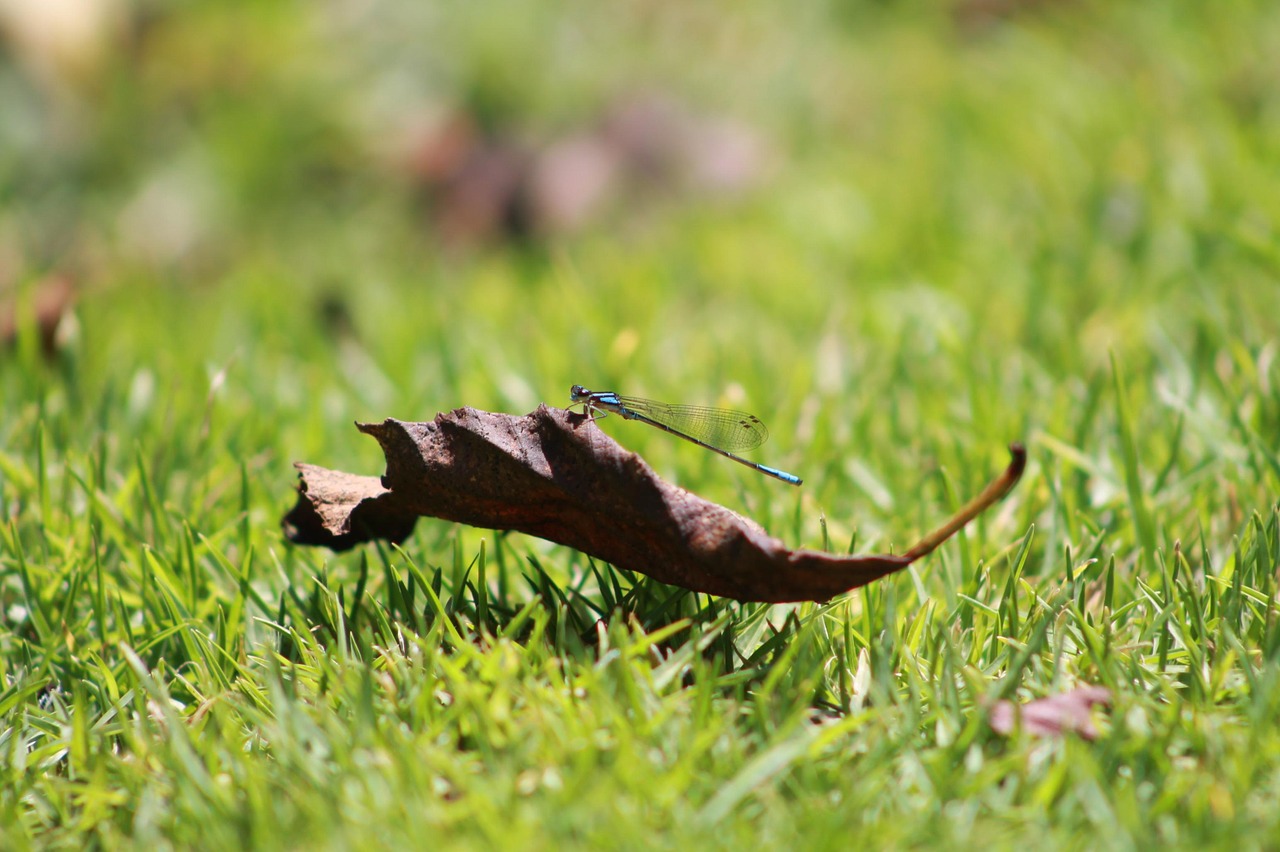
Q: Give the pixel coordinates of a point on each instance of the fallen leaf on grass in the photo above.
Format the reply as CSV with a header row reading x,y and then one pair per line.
x,y
555,475
489,179
330,501
51,304
1053,716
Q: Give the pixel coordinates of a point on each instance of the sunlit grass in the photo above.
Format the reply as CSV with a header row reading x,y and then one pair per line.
x,y
1039,230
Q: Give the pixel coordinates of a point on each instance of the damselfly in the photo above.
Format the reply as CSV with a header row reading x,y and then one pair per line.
x,y
720,430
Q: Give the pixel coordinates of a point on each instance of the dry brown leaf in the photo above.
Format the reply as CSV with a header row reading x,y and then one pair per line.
x,y
555,475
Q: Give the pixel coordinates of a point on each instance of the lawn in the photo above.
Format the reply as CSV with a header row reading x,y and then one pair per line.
x,y
903,234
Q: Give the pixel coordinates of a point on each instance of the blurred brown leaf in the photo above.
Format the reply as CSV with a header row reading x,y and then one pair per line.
x,y
1053,716
485,181
977,15
51,303
555,475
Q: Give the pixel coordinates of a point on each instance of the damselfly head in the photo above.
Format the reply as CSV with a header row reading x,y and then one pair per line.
x,y
578,393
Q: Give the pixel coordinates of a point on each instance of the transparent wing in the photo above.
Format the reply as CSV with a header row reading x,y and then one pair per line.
x,y
725,428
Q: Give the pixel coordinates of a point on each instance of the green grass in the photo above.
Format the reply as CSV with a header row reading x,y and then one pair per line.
x,y
1058,228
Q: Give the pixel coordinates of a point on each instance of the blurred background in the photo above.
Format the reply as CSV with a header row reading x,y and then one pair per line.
x,y
898,231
